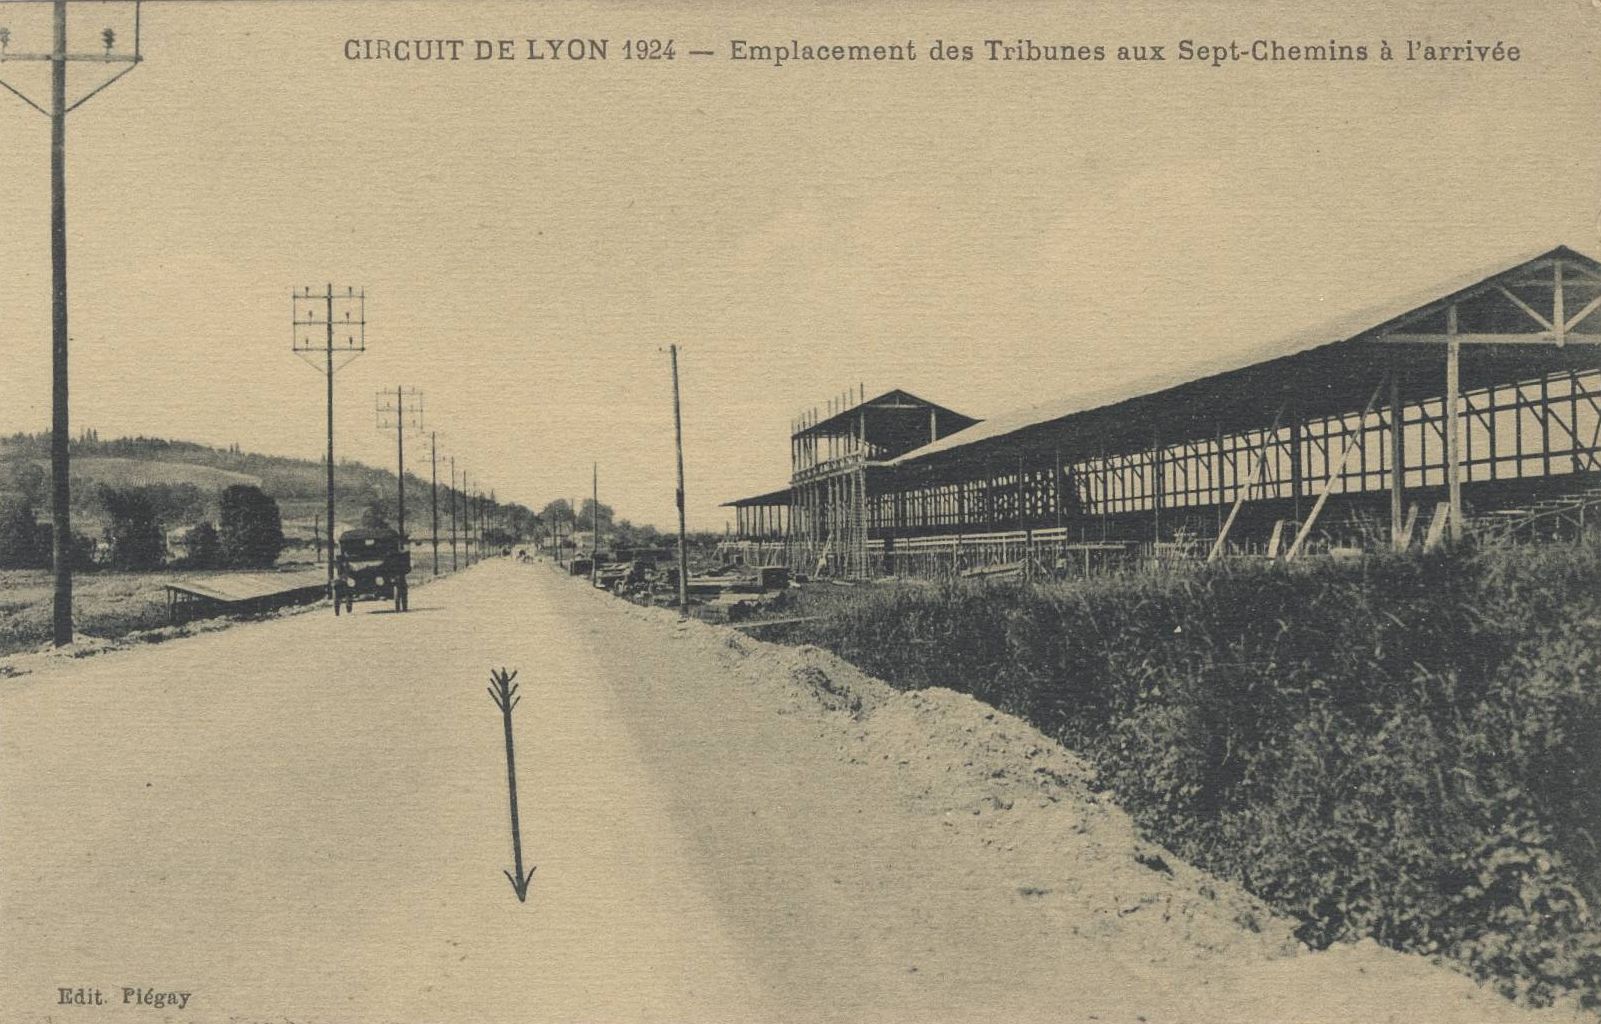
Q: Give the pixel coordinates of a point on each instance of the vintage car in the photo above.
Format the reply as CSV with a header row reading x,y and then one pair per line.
x,y
373,563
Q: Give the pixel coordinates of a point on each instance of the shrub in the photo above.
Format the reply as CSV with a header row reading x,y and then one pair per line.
x,y
81,551
205,547
132,529
19,538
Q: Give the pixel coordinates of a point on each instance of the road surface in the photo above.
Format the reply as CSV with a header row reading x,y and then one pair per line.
x,y
305,819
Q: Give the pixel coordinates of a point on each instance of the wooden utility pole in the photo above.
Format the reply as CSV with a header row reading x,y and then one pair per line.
x,y
678,437
315,323
594,520
400,466
433,493
329,374
60,492
58,108
451,494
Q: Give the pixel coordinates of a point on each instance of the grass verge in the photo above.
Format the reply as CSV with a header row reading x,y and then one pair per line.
x,y
1406,747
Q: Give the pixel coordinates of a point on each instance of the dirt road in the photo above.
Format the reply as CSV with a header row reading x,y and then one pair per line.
x,y
305,820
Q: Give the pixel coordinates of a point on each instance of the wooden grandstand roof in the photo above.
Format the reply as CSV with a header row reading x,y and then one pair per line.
x,y
1323,371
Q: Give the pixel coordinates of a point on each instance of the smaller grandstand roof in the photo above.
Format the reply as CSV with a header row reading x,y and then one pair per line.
x,y
778,497
893,399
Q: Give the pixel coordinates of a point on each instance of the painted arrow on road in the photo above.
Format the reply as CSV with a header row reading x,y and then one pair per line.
x,y
503,691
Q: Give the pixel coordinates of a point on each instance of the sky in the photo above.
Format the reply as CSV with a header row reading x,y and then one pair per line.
x,y
533,235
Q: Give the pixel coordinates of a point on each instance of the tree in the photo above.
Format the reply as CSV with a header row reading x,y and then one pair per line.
x,y
205,547
19,538
520,521
29,480
626,535
132,529
80,549
251,527
181,502
587,520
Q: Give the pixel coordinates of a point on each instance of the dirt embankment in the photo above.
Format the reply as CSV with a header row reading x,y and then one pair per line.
x,y
1063,882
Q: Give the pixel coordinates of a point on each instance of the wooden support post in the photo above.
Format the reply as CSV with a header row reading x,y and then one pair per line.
x,y
1021,518
1573,414
1156,488
1517,428
1274,538
1241,490
1057,483
1107,479
1453,423
1495,448
1545,425
1405,540
989,496
1335,469
1559,313
1397,462
1437,525
1217,476
1297,465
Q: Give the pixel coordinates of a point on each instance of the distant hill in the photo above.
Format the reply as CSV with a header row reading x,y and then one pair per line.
x,y
191,476
125,472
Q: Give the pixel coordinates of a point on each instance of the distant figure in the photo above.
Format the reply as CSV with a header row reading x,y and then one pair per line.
x,y
344,585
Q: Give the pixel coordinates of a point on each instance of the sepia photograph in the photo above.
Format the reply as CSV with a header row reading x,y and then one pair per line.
x,y
920,512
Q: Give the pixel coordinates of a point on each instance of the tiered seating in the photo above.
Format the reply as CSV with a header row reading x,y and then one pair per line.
x,y
1547,517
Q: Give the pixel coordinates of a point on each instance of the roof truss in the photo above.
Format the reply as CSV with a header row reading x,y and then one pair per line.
x,y
1527,306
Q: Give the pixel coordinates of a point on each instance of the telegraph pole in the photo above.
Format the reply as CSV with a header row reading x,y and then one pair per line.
x,y
59,108
404,406
433,492
326,314
451,494
678,436
594,519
